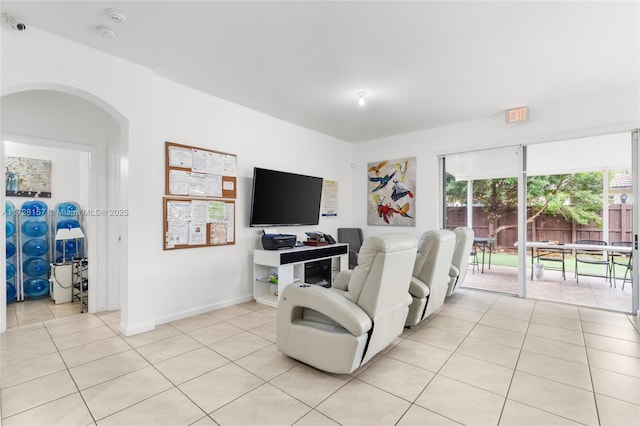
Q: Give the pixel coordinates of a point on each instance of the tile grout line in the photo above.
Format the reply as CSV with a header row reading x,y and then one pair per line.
x,y
593,387
70,376
515,367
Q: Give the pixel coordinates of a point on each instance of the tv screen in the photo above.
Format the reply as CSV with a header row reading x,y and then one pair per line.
x,y
281,198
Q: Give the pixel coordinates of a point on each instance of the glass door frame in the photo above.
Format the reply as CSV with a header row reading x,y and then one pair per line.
x,y
522,215
635,171
522,221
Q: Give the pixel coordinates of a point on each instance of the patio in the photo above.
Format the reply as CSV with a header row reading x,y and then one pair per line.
x,y
590,291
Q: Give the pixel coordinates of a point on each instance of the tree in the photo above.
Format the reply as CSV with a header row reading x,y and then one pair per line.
x,y
573,196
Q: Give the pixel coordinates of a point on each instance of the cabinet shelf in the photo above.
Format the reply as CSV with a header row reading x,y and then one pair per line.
x,y
289,266
266,281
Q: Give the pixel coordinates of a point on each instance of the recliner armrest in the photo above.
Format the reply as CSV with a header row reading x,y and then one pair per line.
x,y
328,303
454,271
418,289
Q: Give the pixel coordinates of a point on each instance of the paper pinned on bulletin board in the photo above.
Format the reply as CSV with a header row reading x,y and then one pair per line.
x,y
197,222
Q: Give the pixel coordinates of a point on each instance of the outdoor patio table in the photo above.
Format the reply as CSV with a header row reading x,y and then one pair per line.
x,y
570,247
483,244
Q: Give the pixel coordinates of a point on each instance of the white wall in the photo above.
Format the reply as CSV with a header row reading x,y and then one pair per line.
x,y
591,114
162,285
197,279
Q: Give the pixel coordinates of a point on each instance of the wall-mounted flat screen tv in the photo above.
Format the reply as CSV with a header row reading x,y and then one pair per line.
x,y
281,198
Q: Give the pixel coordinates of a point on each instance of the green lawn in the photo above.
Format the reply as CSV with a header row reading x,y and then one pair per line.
x,y
503,259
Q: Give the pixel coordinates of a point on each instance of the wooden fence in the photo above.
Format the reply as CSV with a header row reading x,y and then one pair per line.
x,y
546,227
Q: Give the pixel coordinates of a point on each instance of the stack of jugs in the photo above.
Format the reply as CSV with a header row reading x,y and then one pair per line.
x,y
67,217
35,248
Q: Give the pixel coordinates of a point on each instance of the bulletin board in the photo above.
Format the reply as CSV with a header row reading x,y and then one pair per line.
x,y
199,203
198,222
199,172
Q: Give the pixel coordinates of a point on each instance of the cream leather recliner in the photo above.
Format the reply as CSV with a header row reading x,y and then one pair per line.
x,y
338,329
460,262
430,280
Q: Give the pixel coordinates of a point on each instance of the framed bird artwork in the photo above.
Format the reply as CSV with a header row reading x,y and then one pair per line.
x,y
391,191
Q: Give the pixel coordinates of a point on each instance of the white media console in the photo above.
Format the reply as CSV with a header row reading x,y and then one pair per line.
x,y
287,266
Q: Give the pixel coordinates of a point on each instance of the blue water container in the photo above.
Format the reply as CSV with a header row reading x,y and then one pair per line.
x,y
9,208
36,287
35,247
11,270
34,208
11,292
68,209
34,227
11,250
69,248
35,267
10,229
68,224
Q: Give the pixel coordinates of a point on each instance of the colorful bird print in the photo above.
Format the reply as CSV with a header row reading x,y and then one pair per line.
x,y
376,169
400,190
402,211
402,170
386,211
382,181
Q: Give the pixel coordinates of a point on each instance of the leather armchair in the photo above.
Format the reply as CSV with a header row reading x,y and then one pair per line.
x,y
430,278
460,261
337,329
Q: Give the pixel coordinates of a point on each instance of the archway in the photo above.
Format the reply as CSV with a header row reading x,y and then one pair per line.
x,y
69,118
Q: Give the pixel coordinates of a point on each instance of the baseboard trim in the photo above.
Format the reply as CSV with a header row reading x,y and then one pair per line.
x,y
202,309
137,329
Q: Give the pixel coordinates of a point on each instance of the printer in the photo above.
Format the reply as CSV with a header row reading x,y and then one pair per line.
x,y
278,241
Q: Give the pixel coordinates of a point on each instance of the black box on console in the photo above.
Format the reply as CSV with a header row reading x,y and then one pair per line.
x,y
278,241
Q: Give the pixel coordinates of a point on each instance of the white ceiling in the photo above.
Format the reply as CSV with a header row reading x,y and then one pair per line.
x,y
422,64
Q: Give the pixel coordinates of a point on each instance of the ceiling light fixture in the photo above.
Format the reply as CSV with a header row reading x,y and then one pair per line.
x,y
361,98
105,32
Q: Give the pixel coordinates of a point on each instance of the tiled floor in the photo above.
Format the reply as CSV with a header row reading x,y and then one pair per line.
x,y
484,359
33,311
589,291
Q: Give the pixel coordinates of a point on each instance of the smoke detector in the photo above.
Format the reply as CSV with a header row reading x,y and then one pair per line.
x,y
116,16
105,32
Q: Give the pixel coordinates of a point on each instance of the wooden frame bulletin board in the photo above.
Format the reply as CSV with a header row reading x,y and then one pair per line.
x,y
199,205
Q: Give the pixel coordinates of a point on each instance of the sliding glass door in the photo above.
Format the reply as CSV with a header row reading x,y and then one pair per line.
x,y
481,192
580,194
571,214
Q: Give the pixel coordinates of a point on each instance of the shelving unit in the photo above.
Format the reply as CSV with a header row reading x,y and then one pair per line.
x,y
80,280
288,266
11,252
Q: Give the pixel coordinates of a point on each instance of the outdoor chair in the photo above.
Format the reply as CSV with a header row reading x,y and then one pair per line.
x,y
555,255
473,260
592,257
621,259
